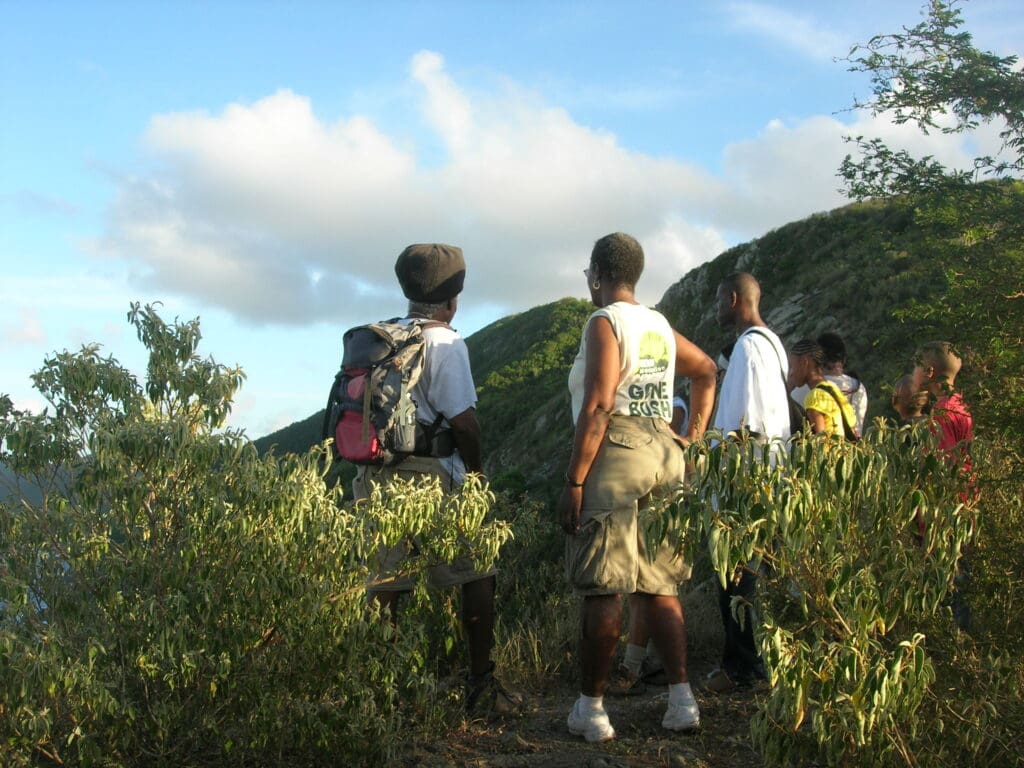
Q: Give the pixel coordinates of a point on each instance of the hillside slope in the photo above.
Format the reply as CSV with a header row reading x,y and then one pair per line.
x,y
845,271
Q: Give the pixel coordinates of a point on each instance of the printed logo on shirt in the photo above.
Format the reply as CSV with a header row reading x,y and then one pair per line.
x,y
651,398
653,354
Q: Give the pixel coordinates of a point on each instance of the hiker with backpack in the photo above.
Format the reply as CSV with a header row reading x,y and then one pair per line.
x,y
404,405
624,452
828,411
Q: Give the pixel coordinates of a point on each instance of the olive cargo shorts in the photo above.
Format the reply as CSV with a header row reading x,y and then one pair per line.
x,y
388,560
638,459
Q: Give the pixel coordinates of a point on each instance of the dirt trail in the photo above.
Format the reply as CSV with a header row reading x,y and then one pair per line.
x,y
540,739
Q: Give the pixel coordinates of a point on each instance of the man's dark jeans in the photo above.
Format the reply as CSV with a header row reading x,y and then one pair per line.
x,y
740,659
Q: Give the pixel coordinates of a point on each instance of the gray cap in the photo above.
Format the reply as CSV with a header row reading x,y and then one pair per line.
x,y
431,273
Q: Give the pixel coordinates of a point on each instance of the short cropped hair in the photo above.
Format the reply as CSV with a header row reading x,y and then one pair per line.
x,y
941,356
744,285
426,309
619,259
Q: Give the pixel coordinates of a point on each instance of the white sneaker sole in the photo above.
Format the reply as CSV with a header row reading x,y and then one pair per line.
x,y
681,718
590,735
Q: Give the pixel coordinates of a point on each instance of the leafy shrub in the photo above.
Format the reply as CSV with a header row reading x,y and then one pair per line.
x,y
168,597
854,619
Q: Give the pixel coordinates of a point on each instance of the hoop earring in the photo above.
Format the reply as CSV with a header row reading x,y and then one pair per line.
x,y
596,285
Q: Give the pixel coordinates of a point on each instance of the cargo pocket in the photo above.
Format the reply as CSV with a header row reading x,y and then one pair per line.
x,y
628,437
598,558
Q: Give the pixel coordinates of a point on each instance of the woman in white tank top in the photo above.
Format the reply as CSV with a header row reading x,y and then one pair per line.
x,y
623,452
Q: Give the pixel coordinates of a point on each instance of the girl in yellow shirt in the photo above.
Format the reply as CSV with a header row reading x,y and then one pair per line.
x,y
826,406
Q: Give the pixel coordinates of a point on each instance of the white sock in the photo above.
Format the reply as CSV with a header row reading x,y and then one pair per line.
x,y
591,704
680,693
634,658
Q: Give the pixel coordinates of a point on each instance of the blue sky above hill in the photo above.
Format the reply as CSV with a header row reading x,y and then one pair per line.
x,y
260,165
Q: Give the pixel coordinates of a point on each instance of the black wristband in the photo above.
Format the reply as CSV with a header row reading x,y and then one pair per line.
x,y
570,483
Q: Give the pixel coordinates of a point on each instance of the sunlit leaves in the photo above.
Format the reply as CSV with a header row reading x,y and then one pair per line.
x,y
845,581
170,597
932,75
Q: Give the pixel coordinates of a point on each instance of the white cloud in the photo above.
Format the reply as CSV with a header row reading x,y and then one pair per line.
x,y
791,171
783,174
28,331
447,108
271,213
673,250
797,32
274,215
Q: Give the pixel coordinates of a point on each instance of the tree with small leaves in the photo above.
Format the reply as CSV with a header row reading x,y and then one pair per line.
x,y
933,76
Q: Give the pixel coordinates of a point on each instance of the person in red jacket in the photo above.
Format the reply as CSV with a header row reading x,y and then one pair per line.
x,y
936,367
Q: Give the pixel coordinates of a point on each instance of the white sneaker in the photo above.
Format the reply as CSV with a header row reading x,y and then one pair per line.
x,y
593,727
681,717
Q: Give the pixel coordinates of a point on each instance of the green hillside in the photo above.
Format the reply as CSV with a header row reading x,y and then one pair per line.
x,y
520,364
845,271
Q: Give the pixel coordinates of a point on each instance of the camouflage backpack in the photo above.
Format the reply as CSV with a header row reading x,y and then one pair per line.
x,y
371,413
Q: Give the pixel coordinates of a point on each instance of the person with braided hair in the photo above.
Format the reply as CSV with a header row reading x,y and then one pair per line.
x,y
828,410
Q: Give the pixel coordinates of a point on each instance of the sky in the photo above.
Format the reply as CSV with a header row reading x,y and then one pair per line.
x,y
260,165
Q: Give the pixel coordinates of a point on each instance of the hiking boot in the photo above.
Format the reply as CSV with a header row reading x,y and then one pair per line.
x,y
622,682
485,695
594,726
717,682
681,717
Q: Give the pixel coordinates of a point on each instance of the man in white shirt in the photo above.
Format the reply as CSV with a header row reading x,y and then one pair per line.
x,y
753,399
753,394
431,276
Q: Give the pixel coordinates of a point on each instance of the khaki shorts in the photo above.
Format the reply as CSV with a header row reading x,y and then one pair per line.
x,y
388,560
638,459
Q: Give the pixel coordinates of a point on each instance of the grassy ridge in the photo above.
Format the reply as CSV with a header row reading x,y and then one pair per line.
x,y
845,271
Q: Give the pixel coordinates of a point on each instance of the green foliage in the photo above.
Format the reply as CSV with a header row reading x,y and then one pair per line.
x,y
927,74
854,624
168,597
976,238
537,622
521,365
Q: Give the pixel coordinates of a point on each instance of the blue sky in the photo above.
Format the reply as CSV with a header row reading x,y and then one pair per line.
x,y
261,164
